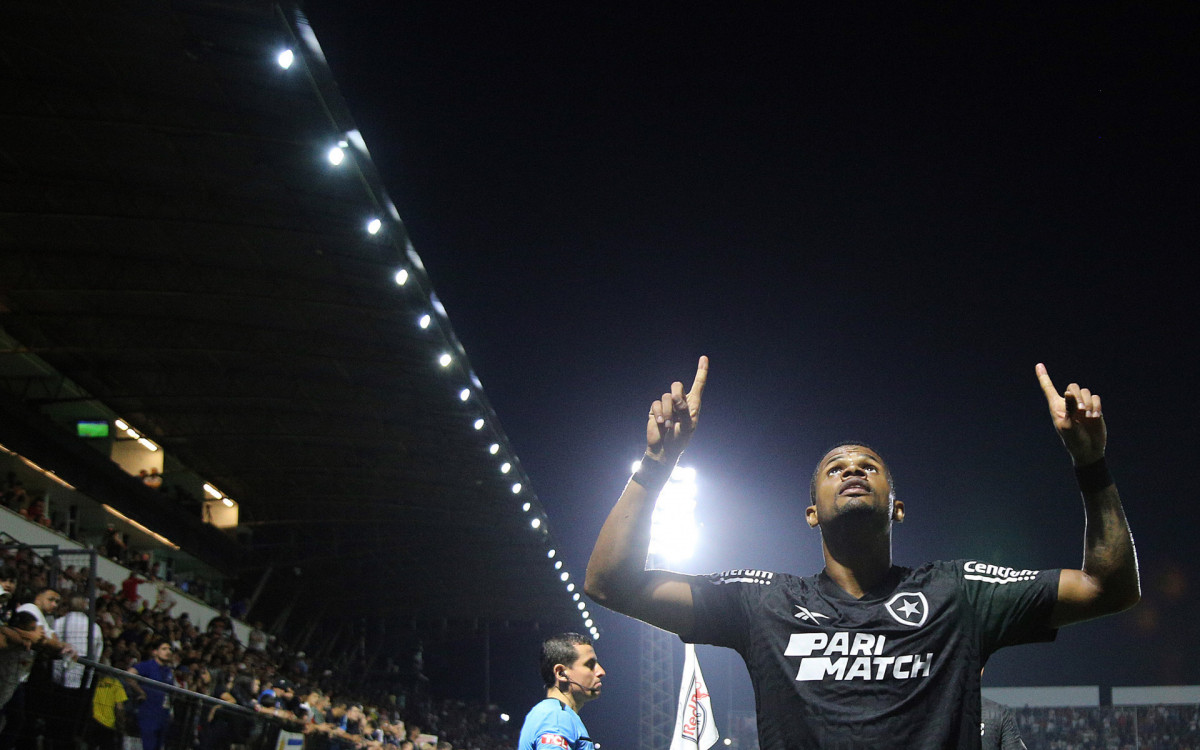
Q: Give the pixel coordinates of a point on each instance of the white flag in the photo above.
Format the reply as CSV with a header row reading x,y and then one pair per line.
x,y
694,726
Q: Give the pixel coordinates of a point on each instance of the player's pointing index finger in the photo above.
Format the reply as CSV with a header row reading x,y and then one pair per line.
x,y
1047,385
697,389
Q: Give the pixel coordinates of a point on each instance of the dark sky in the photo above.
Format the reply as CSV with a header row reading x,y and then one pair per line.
x,y
875,222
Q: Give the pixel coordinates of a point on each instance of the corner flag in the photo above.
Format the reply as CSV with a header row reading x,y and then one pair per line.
x,y
694,727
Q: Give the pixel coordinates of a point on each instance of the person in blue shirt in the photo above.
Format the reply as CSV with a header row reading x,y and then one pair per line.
x,y
154,712
573,676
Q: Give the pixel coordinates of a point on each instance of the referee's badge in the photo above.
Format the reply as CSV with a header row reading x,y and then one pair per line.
x,y
909,608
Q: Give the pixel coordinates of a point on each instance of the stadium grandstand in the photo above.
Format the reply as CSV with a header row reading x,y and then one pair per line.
x,y
235,417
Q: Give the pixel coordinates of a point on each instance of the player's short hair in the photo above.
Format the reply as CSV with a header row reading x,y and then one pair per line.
x,y
812,483
560,649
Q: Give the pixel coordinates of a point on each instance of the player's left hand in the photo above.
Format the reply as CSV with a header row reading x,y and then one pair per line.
x,y
1077,416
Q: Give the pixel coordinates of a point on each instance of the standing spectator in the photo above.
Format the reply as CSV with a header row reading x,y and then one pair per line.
x,y
108,709
998,727
46,602
129,589
71,682
8,587
15,654
113,545
257,640
154,712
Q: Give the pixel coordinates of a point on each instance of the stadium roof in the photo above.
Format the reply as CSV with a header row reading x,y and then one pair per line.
x,y
179,250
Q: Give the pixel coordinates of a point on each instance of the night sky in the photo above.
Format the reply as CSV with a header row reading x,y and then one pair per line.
x,y
874,222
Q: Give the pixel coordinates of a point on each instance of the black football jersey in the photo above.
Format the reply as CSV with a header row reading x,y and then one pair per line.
x,y
898,668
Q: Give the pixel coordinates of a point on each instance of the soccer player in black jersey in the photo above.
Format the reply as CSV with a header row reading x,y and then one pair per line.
x,y
866,653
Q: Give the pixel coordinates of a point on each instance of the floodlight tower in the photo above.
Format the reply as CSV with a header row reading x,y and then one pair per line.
x,y
673,535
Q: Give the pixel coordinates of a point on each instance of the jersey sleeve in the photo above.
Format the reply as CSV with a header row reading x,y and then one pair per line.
x,y
555,732
722,604
1011,605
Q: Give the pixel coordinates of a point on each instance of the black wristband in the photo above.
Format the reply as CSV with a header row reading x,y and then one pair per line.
x,y
1093,477
652,475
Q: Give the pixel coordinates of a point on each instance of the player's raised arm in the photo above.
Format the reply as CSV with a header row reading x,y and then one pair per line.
x,y
1109,581
616,574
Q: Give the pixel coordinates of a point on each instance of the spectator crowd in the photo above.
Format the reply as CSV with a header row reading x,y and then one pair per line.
x,y
51,701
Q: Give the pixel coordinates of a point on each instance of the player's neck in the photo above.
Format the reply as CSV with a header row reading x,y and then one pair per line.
x,y
857,569
565,698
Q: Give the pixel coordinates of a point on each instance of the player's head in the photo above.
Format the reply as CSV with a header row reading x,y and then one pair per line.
x,y
569,663
850,480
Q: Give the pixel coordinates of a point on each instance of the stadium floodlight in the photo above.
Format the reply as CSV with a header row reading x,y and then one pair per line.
x,y
373,226
425,321
587,623
286,58
494,448
586,614
570,587
673,530
526,507
558,564
565,576
464,394
402,278
516,488
536,523
445,359
505,467
575,598
581,606
479,423
551,554
336,156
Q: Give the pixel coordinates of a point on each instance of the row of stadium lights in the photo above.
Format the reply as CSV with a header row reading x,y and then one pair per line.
x,y
336,156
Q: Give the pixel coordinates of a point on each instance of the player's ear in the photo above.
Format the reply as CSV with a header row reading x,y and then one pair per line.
x,y
898,511
810,515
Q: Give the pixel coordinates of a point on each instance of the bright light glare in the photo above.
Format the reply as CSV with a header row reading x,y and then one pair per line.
x,y
212,491
121,424
565,576
228,503
536,523
504,718
673,530
402,278
505,467
558,564
445,360
424,321
586,614
132,433
479,423
494,448
728,742
526,507
516,488
285,59
550,554
336,156
587,623
148,445
373,226
464,394
581,605
576,596
570,587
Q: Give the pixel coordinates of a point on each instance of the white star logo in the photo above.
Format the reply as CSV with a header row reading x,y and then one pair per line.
x,y
909,608
807,614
